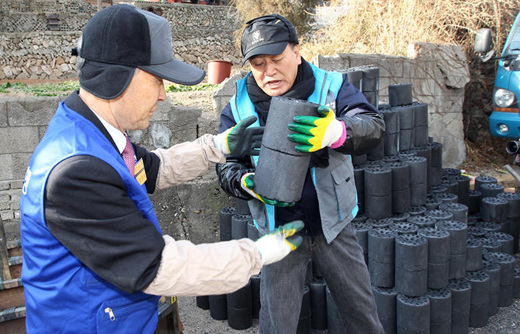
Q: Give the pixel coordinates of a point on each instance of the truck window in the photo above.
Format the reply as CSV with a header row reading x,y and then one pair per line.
x,y
513,46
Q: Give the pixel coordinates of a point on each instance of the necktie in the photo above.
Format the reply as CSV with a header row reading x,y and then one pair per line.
x,y
128,156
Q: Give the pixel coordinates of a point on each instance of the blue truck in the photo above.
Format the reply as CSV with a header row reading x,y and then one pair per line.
x,y
504,121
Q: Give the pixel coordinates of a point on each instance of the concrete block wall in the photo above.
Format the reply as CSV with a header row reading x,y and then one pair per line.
x,y
22,124
189,211
438,74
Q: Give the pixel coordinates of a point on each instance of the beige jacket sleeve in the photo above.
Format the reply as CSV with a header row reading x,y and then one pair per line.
x,y
187,269
186,161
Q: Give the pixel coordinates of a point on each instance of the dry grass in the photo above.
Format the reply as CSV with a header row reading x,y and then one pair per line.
x,y
389,26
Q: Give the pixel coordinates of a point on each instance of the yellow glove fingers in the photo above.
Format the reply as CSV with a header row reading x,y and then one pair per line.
x,y
225,142
294,242
248,184
321,125
290,229
312,132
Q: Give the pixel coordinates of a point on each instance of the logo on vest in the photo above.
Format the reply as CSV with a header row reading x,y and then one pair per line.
x,y
26,181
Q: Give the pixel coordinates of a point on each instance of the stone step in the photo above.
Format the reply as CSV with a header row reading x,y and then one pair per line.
x,y
11,294
15,266
14,248
12,320
12,306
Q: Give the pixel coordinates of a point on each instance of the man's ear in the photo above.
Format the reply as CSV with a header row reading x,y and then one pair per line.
x,y
296,50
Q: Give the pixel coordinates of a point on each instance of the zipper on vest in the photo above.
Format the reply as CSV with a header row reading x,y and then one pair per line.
x,y
110,313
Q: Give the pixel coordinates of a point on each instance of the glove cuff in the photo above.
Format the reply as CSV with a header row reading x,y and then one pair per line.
x,y
246,189
342,138
221,142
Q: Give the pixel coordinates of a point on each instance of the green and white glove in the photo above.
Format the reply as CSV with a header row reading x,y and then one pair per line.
x,y
278,243
241,140
248,184
315,133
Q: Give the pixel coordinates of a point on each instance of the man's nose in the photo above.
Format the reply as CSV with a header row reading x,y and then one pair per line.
x,y
270,69
162,93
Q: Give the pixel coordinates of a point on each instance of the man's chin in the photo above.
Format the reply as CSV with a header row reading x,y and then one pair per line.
x,y
274,92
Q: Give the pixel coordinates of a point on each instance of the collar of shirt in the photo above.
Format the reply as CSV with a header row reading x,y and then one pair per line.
x,y
117,136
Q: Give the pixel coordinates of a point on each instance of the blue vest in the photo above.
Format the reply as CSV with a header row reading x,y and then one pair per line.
x,y
61,294
338,205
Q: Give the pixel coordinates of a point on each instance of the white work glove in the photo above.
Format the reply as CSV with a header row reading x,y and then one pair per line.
x,y
241,140
278,243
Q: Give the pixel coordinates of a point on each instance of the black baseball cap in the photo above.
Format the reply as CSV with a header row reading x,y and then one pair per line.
x,y
121,38
267,35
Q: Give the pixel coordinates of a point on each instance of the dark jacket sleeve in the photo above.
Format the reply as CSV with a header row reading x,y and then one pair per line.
x,y
88,210
230,173
365,125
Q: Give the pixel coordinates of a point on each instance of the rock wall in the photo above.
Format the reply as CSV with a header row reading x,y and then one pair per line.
x,y
36,37
189,211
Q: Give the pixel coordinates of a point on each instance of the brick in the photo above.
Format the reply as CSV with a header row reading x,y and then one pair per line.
x,y
6,172
7,215
20,163
31,111
17,184
26,139
5,185
15,205
15,196
3,114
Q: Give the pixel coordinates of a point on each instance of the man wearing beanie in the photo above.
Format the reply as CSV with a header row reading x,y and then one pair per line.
x,y
95,259
347,124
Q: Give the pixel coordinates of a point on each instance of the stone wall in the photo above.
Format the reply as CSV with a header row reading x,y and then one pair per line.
x,y
29,49
189,211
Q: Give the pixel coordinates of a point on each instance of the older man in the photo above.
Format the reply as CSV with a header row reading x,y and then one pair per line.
x,y
95,260
347,125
